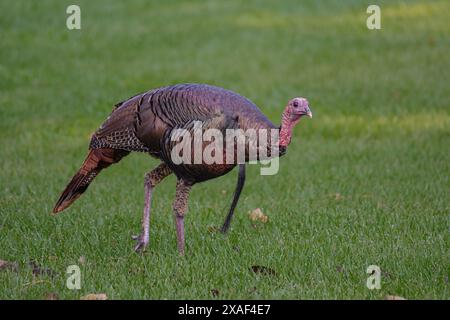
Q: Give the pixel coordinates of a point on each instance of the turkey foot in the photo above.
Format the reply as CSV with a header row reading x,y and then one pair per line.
x,y
142,242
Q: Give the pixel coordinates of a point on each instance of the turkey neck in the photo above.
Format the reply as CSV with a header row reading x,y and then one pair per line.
x,y
287,124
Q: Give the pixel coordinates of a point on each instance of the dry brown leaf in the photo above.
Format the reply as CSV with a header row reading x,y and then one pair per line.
x,y
8,265
253,290
258,215
35,282
215,292
39,271
213,229
389,297
51,296
82,260
338,196
263,270
94,296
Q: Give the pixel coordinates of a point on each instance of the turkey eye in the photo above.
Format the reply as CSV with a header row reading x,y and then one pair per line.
x,y
295,103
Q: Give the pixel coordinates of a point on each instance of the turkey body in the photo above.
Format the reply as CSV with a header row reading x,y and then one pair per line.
x,y
145,122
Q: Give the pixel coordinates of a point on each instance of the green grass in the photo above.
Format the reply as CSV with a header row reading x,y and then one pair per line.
x,y
365,182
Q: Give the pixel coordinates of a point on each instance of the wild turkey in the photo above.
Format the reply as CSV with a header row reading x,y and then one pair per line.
x,y
145,122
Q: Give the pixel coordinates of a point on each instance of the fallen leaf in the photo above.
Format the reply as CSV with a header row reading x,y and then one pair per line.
x,y
94,296
253,290
8,265
51,296
341,269
338,196
215,292
135,270
35,282
81,260
386,274
258,215
263,270
389,297
213,229
39,271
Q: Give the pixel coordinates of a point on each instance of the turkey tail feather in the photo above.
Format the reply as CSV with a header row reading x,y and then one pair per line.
x,y
96,160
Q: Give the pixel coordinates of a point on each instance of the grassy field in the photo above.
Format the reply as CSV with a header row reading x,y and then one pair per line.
x,y
365,182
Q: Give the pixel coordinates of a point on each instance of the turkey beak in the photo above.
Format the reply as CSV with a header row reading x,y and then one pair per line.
x,y
309,114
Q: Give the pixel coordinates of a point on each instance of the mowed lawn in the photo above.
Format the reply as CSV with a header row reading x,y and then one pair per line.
x,y
365,182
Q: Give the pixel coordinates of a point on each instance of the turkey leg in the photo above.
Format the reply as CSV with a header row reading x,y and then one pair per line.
x,y
179,210
152,178
237,193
